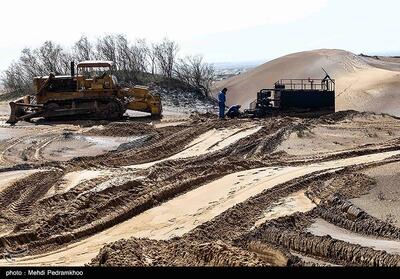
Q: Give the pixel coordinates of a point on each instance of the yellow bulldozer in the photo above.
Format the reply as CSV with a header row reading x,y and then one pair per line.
x,y
90,93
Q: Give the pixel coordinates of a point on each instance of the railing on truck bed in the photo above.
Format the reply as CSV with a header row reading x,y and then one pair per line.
x,y
309,84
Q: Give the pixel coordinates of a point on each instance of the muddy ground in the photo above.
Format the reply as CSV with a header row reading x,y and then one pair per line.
x,y
191,190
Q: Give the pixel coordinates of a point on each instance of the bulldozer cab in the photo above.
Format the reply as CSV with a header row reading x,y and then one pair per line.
x,y
96,75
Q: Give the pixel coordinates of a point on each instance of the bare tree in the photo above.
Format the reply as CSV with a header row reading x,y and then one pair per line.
x,y
130,58
52,58
106,48
15,82
83,50
195,73
49,58
132,61
122,57
165,53
152,57
139,51
30,63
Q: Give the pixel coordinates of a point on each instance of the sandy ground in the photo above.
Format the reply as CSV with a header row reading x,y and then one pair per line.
x,y
343,135
361,84
197,180
27,142
211,141
201,205
169,123
7,178
383,201
77,146
72,179
4,109
7,134
321,228
314,261
191,190
297,202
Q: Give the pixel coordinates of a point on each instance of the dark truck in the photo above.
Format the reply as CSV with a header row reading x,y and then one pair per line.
x,y
295,96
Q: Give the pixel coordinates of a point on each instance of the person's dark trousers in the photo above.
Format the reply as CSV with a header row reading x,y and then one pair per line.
x,y
221,110
233,114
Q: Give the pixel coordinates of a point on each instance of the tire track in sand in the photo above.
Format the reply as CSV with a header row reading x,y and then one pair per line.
x,y
183,213
211,141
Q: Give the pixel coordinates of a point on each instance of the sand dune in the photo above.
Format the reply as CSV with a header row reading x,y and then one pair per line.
x,y
362,83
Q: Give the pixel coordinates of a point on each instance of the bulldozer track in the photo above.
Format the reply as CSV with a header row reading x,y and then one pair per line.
x,y
97,115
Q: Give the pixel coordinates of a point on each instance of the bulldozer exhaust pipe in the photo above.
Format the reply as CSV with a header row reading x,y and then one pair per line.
x,y
72,68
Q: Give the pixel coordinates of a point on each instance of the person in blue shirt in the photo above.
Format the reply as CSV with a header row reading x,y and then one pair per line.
x,y
234,111
221,103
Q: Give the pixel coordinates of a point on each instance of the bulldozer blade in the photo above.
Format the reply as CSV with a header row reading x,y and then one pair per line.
x,y
13,114
19,112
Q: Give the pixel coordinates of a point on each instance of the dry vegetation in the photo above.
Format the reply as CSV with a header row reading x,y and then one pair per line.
x,y
136,62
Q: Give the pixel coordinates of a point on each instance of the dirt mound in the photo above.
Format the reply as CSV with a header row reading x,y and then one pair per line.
x,y
185,100
341,115
344,214
322,189
141,252
122,129
285,233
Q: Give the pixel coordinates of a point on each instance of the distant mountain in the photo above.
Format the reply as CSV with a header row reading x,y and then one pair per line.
x,y
384,53
227,70
237,65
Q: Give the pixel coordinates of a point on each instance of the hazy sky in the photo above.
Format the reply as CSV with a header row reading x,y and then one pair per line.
x,y
221,30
